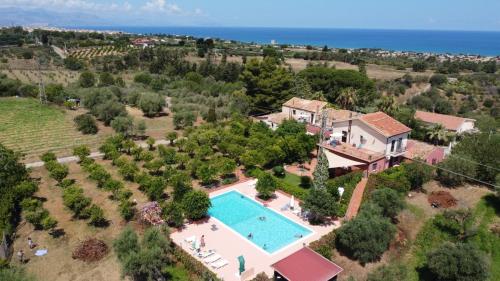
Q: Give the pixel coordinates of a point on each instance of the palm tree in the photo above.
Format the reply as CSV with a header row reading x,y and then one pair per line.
x,y
438,134
388,104
347,98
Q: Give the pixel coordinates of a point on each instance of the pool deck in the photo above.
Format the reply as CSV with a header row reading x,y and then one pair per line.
x,y
229,244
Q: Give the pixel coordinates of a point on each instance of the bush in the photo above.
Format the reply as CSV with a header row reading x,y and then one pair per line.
x,y
389,200
143,78
86,124
417,174
438,79
82,151
266,185
279,171
320,204
127,210
459,262
173,215
123,125
74,200
151,104
365,238
48,157
73,63
87,79
57,171
196,204
459,167
96,215
305,181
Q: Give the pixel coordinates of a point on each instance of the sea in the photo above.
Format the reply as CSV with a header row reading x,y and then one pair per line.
x,y
485,43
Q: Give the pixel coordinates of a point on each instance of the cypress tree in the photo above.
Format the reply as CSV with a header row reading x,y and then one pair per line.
x,y
321,173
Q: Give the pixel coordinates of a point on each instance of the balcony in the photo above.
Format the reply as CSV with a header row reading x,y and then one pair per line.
x,y
400,150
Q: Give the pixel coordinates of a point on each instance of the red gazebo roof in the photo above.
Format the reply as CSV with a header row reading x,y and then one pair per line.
x,y
306,265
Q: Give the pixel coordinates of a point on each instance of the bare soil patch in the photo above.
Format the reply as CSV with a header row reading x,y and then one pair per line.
x,y
91,250
442,199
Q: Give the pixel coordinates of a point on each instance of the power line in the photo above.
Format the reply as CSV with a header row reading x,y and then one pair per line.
x,y
455,173
468,160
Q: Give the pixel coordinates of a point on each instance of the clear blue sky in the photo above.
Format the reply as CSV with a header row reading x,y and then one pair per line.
x,y
388,14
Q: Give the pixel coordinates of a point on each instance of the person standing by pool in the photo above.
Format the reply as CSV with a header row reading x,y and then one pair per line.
x,y
202,241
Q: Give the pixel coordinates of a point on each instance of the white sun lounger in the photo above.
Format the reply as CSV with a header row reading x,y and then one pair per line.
x,y
190,239
212,258
206,254
219,264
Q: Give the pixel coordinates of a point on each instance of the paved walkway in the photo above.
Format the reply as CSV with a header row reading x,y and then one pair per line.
x,y
356,198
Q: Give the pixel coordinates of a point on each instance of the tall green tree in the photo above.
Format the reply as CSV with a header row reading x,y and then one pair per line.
x,y
321,173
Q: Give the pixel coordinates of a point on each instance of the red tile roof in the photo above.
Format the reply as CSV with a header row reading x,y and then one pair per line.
x,y
450,122
307,105
384,124
306,265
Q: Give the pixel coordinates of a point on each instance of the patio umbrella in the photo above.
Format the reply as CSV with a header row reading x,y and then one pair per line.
x,y
341,191
241,259
292,202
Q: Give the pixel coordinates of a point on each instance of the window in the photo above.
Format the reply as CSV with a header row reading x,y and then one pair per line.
x,y
374,166
393,143
344,136
362,140
434,161
400,144
294,112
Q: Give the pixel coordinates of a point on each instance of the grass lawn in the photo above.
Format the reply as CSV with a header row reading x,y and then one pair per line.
x,y
32,128
292,179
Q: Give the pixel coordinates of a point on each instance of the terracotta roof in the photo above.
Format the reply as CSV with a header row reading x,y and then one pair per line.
x,y
418,149
306,265
340,114
384,124
276,118
307,105
450,122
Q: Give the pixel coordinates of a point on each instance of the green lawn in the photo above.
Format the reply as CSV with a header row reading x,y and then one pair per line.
x,y
32,128
292,179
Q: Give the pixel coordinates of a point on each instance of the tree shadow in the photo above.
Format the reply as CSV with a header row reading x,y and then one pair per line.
x,y
494,202
424,274
57,233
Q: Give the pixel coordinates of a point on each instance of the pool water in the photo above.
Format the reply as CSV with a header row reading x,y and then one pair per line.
x,y
243,214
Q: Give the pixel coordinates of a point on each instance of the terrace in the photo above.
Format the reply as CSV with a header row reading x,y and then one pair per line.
x,y
230,245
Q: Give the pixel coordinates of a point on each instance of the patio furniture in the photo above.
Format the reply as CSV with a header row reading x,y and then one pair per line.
x,y
214,227
190,239
212,258
285,207
219,264
206,254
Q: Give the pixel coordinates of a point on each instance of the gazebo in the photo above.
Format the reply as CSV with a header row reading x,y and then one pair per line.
x,y
306,265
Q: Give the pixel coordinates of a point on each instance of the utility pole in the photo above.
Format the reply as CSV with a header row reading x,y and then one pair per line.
x,y
41,85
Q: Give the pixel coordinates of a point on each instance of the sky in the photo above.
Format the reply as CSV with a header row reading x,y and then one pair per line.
x,y
384,14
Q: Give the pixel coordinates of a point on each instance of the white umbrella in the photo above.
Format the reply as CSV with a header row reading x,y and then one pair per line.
x,y
292,202
341,191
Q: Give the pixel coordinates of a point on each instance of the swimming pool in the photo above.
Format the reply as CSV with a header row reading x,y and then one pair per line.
x,y
243,215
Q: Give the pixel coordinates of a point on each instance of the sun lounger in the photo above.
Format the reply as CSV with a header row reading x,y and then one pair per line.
x,y
190,239
206,254
219,264
212,258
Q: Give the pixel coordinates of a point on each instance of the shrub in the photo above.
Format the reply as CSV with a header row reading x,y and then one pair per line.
x,y
266,185
196,204
459,262
86,124
82,151
123,125
279,171
126,243
87,79
48,157
459,167
438,79
58,171
127,210
305,181
173,215
151,104
143,78
365,238
96,215
98,174
128,171
417,174
320,204
74,200
389,200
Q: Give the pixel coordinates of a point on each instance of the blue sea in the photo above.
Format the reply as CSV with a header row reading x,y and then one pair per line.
x,y
452,42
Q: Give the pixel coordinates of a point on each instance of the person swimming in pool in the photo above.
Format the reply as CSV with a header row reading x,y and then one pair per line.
x,y
263,218
264,247
250,235
299,235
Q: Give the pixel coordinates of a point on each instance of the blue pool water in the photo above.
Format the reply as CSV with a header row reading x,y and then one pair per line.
x,y
242,214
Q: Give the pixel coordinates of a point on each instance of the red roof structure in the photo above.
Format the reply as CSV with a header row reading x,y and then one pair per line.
x,y
306,265
450,122
384,124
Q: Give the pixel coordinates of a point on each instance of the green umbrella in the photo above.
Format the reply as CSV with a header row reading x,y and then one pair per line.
x,y
241,259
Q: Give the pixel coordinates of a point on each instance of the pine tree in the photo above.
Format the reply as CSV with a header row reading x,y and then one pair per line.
x,y
321,173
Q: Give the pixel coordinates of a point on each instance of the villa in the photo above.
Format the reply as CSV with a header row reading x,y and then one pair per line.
x,y
370,142
451,123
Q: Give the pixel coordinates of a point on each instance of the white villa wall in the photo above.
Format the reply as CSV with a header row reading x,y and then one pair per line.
x,y
373,140
467,125
299,113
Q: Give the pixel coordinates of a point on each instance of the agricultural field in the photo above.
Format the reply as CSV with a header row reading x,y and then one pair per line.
x,y
31,128
28,76
88,53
